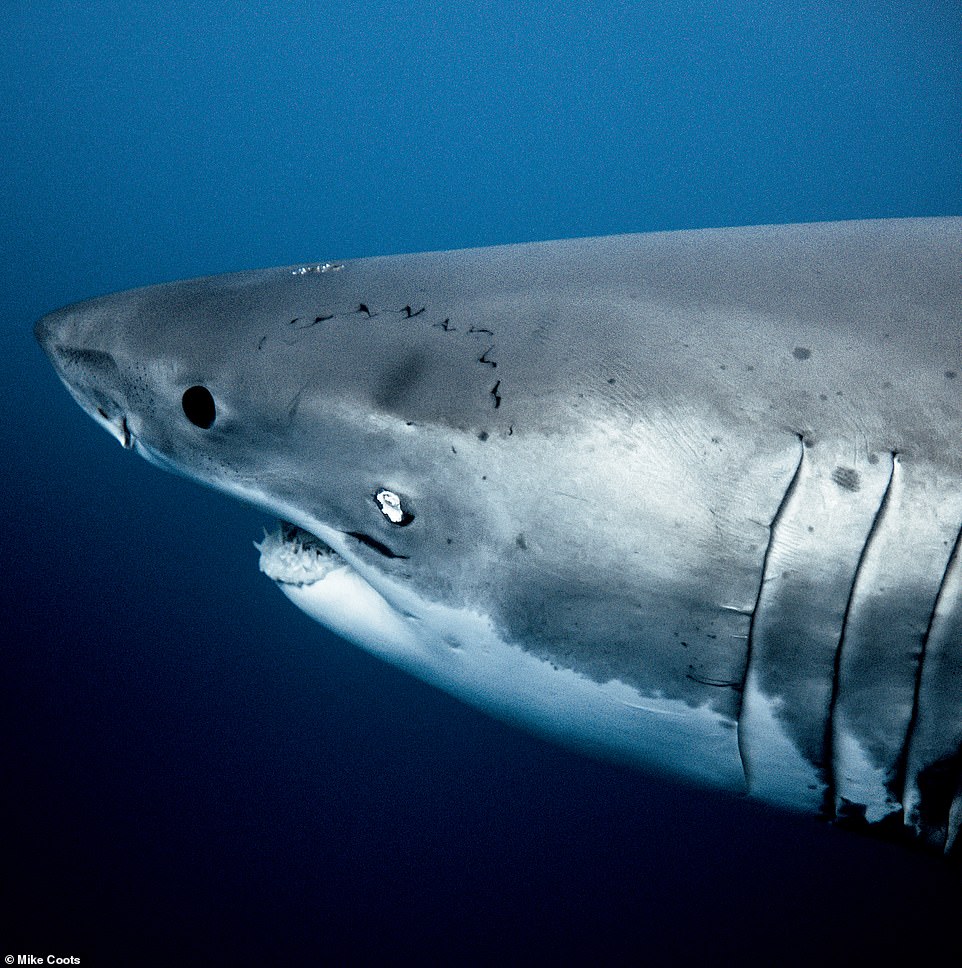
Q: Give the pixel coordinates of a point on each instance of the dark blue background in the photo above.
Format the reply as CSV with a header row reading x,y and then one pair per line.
x,y
195,773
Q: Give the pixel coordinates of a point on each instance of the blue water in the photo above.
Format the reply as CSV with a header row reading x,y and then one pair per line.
x,y
195,773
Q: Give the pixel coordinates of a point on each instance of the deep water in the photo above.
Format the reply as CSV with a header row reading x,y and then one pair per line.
x,y
193,771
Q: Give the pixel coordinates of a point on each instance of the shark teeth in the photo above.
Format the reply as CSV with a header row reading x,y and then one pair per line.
x,y
293,556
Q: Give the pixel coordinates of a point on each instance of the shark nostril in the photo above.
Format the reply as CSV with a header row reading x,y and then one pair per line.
x,y
92,361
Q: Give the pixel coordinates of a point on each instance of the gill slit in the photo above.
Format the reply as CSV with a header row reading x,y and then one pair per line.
x,y
772,528
831,785
901,769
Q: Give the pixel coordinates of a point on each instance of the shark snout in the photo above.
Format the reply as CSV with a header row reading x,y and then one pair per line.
x,y
51,331
59,335
75,361
91,375
43,331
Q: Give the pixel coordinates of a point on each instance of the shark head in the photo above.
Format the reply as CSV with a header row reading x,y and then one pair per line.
x,y
352,420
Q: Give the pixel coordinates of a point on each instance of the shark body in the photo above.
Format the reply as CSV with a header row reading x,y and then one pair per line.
x,y
692,500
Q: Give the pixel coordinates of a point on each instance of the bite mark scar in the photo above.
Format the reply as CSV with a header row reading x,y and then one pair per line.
x,y
411,313
483,358
497,396
445,324
362,308
716,683
297,323
478,329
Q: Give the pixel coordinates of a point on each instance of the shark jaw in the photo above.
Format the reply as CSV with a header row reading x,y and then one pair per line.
x,y
322,584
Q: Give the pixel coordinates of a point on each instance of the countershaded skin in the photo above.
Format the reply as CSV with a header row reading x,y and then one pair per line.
x,y
594,438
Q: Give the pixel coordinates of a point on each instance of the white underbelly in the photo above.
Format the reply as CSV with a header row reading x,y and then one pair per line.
x,y
460,652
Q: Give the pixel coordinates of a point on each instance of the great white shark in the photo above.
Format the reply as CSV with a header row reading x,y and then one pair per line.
x,y
691,500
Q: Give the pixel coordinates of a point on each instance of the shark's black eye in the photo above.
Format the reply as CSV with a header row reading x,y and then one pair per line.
x,y
199,407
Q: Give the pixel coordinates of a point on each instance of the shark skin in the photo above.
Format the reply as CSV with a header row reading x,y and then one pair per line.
x,y
689,500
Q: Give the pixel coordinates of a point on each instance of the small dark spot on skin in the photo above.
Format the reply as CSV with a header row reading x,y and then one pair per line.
x,y
722,366
716,440
801,353
684,645
484,477
263,340
887,385
611,381
873,458
847,478
839,393
450,540
950,374
483,435
521,543
823,397
811,529
750,368
454,450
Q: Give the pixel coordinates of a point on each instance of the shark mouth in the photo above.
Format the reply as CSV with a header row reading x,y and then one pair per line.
x,y
324,586
292,556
